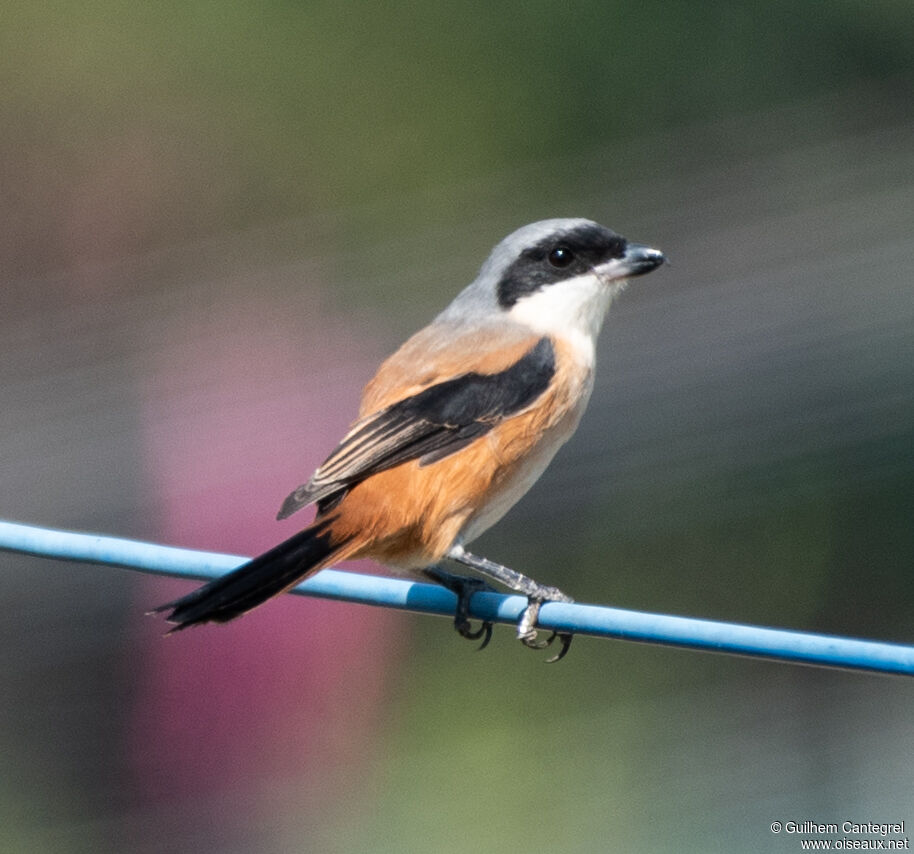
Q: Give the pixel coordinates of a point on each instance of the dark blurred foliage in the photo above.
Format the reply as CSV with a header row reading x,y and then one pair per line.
x,y
180,120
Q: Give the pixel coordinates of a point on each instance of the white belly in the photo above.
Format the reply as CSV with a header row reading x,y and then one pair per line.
x,y
516,485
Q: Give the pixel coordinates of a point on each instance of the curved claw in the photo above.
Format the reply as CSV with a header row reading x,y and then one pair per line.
x,y
487,627
464,630
565,638
531,642
526,632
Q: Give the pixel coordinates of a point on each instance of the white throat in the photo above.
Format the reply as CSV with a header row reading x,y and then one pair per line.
x,y
573,310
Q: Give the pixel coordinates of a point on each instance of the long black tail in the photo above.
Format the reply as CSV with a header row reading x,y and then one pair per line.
x,y
259,579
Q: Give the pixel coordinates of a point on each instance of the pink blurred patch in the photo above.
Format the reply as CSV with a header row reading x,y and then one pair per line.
x,y
241,404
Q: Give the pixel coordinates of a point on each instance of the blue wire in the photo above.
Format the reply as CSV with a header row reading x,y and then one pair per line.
x,y
706,635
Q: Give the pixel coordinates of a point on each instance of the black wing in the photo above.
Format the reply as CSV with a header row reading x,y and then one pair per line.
x,y
428,426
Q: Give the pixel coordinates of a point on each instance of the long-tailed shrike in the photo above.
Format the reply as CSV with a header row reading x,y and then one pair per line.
x,y
454,428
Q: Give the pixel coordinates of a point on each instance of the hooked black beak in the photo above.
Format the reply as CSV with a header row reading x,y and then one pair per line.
x,y
635,261
642,259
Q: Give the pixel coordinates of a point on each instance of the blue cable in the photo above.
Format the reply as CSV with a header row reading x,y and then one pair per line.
x,y
707,635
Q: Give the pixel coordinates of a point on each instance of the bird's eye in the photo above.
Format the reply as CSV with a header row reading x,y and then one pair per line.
x,y
561,257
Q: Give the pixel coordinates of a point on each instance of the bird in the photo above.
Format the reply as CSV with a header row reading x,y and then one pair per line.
x,y
453,429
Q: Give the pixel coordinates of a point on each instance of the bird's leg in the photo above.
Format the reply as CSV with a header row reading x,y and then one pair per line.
x,y
535,592
463,587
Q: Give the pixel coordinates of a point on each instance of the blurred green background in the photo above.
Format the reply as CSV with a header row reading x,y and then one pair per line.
x,y
215,218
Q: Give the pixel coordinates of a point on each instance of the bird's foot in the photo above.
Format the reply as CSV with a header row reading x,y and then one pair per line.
x,y
463,587
535,592
526,626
